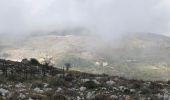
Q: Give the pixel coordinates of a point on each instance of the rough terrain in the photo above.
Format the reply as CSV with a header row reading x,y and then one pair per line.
x,y
35,81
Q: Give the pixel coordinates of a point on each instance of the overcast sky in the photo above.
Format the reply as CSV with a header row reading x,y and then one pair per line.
x,y
107,17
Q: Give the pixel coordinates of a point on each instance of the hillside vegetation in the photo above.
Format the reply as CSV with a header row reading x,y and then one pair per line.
x,y
30,80
143,56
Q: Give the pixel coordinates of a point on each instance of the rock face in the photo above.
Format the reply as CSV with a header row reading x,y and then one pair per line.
x,y
82,86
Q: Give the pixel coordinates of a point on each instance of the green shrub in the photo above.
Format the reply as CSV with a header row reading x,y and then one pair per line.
x,y
37,84
90,84
34,61
69,77
53,82
146,91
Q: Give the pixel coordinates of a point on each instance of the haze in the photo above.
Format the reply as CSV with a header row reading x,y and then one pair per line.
x,y
104,17
120,37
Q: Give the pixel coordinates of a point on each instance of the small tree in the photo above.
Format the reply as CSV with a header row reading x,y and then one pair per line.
x,y
34,61
25,61
5,69
67,65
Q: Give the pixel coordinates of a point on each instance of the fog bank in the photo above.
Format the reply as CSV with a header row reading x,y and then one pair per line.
x,y
108,18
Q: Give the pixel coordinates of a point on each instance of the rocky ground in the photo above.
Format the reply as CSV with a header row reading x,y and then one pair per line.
x,y
74,85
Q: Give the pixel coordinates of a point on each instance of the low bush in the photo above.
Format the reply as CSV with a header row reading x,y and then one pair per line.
x,y
90,84
37,84
101,96
53,82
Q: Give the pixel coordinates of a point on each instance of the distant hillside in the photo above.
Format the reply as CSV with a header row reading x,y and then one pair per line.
x,y
138,55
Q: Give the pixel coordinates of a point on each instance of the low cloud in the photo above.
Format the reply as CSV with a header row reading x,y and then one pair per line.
x,y
104,17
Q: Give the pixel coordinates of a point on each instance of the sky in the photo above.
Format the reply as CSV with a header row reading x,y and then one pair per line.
x,y
105,17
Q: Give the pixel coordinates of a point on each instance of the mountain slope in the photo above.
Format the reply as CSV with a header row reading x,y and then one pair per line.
x,y
143,55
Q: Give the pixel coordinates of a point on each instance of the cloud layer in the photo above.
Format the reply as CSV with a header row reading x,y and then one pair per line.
x,y
107,17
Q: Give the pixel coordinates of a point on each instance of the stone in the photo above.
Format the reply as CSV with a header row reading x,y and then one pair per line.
x,y
85,80
113,97
22,96
90,95
82,88
38,90
3,92
59,89
110,83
